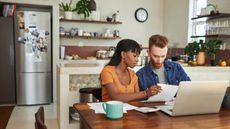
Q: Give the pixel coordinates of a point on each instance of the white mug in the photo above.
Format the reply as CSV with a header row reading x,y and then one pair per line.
x,y
80,32
62,52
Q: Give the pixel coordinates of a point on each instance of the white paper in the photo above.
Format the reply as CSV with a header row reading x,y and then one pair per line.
x,y
97,107
167,93
147,109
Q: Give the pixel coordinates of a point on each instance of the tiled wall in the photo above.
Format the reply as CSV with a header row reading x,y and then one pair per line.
x,y
83,81
84,51
91,51
220,55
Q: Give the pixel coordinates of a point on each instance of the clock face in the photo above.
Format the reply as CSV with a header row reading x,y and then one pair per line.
x,y
141,15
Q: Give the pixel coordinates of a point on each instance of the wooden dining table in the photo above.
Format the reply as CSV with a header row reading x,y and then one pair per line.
x,y
154,120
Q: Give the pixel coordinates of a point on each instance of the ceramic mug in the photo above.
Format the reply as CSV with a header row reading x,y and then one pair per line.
x,y
80,32
113,109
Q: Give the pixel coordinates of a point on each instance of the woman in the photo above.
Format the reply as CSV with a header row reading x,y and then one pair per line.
x,y
118,81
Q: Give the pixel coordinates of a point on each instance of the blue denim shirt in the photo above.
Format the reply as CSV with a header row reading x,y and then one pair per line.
x,y
174,73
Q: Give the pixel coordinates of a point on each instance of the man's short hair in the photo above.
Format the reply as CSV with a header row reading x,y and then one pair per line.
x,y
158,40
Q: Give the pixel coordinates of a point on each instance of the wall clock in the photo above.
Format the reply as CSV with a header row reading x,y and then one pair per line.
x,y
141,15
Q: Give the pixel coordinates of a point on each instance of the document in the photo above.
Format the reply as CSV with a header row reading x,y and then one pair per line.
x,y
97,107
167,93
147,109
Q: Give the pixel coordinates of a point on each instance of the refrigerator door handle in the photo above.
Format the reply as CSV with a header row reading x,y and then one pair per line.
x,y
11,55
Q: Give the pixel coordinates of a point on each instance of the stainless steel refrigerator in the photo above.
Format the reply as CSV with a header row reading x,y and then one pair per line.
x,y
33,56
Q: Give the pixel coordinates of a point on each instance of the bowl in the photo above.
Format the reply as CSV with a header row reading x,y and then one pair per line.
x,y
68,57
109,19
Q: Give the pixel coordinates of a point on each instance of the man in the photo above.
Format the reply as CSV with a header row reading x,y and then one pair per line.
x,y
158,70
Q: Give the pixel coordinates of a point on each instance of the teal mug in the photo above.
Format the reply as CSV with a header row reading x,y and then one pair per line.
x,y
113,109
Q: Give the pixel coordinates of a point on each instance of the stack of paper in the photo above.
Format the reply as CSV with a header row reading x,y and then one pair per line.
x,y
167,93
97,107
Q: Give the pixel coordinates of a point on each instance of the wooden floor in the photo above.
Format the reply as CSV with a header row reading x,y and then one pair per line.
x,y
5,112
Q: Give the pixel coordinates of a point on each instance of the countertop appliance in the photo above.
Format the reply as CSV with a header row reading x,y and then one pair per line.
x,y
33,56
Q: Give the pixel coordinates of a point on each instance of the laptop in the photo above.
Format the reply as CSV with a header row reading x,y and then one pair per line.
x,y
197,97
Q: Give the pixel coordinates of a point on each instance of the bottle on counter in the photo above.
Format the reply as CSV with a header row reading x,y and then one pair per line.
x,y
194,56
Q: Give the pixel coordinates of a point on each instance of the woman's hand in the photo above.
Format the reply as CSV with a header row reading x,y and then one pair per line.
x,y
153,90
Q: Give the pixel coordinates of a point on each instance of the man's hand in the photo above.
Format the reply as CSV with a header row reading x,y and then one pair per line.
x,y
153,90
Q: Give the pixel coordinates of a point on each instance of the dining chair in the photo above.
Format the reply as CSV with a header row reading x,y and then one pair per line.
x,y
40,119
97,93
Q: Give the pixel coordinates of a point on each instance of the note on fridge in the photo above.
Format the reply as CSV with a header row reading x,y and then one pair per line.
x,y
167,93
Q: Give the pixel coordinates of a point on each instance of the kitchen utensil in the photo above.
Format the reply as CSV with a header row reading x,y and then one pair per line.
x,y
110,52
101,54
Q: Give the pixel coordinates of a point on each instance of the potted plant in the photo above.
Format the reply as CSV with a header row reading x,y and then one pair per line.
x,y
192,50
82,8
92,5
212,46
66,7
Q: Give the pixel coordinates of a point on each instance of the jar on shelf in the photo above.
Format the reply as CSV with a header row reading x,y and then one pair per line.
x,y
201,58
116,33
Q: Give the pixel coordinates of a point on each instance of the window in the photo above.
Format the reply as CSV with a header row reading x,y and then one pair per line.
x,y
196,27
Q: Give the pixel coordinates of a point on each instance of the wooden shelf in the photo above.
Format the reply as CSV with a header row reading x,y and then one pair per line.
x,y
212,36
88,21
89,37
213,16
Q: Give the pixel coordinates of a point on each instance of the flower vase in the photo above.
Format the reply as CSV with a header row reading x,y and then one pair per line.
x,y
92,5
201,58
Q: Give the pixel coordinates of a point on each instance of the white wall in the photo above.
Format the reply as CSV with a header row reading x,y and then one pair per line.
x,y
175,21
129,28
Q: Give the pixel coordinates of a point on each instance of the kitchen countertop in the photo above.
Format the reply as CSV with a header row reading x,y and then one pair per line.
x,y
95,67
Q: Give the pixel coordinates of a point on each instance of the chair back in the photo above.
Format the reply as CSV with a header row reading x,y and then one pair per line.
x,y
97,93
40,119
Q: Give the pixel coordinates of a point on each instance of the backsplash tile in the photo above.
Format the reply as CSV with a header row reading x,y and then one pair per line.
x,y
79,81
87,51
84,51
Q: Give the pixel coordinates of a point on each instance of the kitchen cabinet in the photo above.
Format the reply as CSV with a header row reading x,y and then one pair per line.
x,y
215,26
208,73
70,80
68,86
92,36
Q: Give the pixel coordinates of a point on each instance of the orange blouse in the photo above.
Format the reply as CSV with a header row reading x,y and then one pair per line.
x,y
108,75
